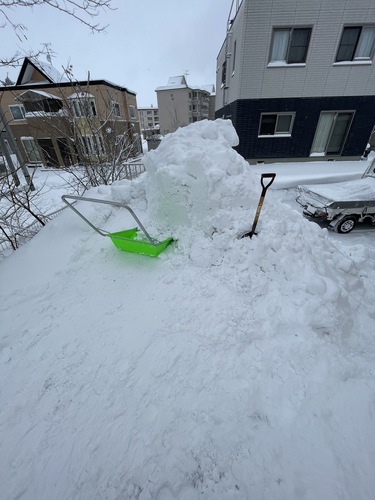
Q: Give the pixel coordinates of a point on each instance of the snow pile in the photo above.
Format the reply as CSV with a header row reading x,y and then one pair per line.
x,y
226,368
200,190
204,193
195,175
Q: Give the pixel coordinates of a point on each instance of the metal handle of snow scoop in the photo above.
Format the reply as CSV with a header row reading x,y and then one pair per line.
x,y
104,202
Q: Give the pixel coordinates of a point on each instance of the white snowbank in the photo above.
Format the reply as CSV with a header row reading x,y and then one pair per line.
x,y
195,174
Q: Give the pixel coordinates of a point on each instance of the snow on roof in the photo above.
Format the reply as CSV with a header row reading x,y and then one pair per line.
x,y
209,88
179,82
51,72
117,85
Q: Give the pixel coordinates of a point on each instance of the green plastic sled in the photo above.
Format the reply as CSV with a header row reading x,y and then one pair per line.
x,y
129,240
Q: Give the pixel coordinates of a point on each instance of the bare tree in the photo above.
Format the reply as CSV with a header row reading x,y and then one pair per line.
x,y
92,137
84,11
20,215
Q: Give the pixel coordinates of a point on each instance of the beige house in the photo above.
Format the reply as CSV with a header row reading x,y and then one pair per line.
x,y
180,104
57,122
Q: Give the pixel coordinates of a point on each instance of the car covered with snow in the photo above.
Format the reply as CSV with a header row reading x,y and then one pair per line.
x,y
342,204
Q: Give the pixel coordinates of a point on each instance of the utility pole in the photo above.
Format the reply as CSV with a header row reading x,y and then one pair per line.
x,y
8,144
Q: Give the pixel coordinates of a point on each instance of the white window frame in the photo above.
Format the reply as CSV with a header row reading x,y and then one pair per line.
x,y
359,45
20,108
84,107
116,109
329,131
287,45
132,111
93,145
277,114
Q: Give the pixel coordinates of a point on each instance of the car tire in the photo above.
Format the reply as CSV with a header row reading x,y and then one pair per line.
x,y
346,224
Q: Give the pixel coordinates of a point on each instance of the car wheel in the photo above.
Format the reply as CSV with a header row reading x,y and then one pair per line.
x,y
346,224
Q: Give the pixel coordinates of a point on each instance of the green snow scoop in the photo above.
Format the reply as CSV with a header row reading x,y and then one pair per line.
x,y
260,204
129,240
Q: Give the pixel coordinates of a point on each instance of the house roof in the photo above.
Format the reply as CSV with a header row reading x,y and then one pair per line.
x,y
210,88
51,79
179,82
45,70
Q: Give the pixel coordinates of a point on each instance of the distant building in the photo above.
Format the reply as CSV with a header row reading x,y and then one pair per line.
x,y
58,122
148,118
180,104
297,78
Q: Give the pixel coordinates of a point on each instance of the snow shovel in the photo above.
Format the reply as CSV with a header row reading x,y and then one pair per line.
x,y
129,240
271,178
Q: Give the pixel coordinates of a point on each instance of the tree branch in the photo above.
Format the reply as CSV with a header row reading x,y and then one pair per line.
x,y
84,11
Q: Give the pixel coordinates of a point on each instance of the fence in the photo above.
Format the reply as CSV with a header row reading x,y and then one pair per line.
x,y
133,170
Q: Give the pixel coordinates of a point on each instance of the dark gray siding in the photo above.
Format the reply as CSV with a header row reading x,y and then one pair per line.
x,y
245,115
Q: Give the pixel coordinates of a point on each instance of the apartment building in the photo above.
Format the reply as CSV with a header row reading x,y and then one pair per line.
x,y
57,122
148,118
180,104
297,78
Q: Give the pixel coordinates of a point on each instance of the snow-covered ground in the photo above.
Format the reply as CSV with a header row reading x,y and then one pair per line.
x,y
226,368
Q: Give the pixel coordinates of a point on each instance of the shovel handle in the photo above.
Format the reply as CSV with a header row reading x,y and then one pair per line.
x,y
267,176
271,178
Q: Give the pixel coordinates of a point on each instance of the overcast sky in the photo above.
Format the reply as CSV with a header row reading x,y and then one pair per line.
x,y
146,41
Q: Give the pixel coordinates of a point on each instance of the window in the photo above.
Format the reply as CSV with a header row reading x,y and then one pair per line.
x,y
116,109
276,124
234,55
357,43
43,105
18,111
132,111
331,132
289,45
93,145
84,107
31,149
224,73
